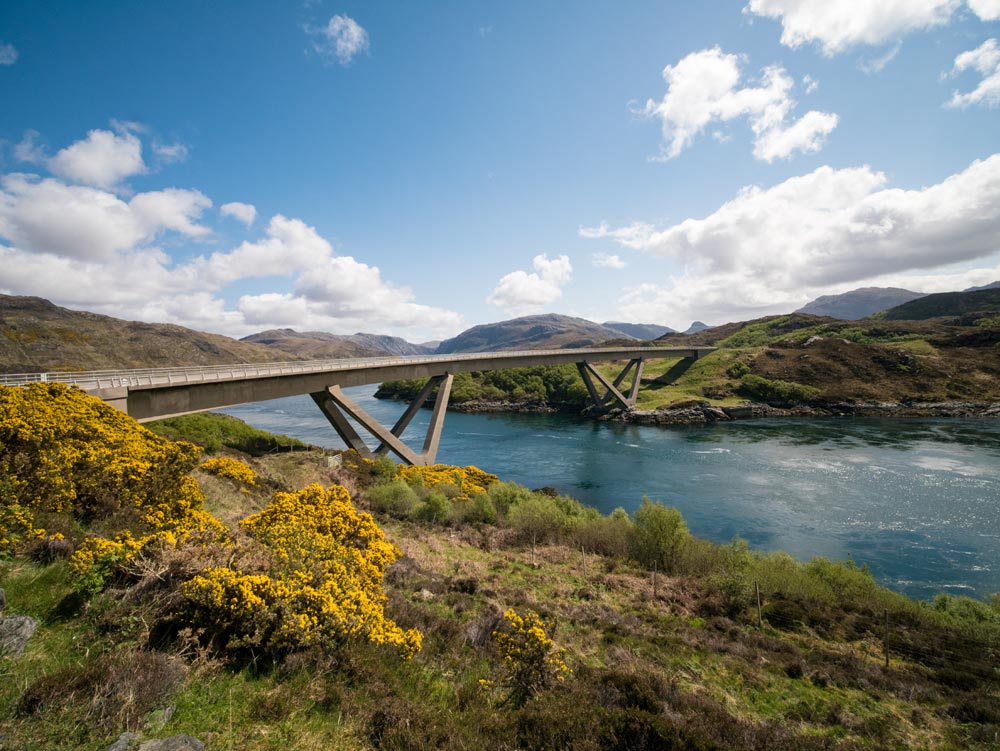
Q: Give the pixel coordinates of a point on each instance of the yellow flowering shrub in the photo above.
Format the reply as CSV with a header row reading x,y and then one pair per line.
x,y
531,659
469,480
321,583
230,468
66,453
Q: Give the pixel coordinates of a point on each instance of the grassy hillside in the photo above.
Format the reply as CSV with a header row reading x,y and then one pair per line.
x,y
660,632
319,345
37,336
968,307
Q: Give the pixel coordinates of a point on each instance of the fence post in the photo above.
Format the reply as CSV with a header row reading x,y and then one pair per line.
x,y
760,613
885,638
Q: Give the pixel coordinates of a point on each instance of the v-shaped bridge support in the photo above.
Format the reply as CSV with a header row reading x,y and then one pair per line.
x,y
588,372
337,407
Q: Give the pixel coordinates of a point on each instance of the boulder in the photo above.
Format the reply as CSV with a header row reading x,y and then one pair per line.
x,y
123,742
15,631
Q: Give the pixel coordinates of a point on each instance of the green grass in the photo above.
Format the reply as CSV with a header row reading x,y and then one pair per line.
x,y
213,431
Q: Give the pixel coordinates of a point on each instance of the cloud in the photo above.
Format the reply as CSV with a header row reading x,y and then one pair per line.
x,y
50,216
8,54
523,292
244,212
27,150
342,39
170,153
606,261
985,60
705,87
103,159
877,64
770,248
88,247
836,25
987,10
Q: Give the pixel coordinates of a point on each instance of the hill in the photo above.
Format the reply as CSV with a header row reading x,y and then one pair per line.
x,y
859,303
644,331
695,327
967,307
37,336
319,345
550,331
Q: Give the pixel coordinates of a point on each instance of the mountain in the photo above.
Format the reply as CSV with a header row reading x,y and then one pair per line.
x,y
550,331
37,336
859,303
966,306
319,345
991,285
644,331
696,326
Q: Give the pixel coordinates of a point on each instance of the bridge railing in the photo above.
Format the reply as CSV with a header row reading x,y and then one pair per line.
x,y
97,379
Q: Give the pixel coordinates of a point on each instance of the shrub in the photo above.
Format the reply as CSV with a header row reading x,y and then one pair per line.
x,y
737,370
531,661
506,495
766,390
468,480
538,518
71,458
396,498
320,581
660,535
233,469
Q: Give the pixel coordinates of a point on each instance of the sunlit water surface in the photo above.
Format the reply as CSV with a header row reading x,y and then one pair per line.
x,y
918,501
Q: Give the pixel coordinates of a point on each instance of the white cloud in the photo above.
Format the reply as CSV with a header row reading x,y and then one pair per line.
x,y
985,60
28,150
103,159
244,212
987,10
523,292
49,216
169,153
770,248
810,83
342,38
290,245
837,25
8,54
705,87
87,247
607,261
877,64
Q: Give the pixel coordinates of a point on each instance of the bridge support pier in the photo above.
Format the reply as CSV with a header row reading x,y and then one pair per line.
x,y
588,373
337,407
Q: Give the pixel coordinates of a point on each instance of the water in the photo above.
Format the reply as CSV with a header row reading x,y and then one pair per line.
x,y
916,500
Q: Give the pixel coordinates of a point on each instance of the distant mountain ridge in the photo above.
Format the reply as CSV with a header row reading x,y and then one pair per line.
x,y
978,303
549,331
859,303
38,336
643,331
320,345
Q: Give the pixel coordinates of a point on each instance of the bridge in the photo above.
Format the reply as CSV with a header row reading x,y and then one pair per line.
x,y
156,393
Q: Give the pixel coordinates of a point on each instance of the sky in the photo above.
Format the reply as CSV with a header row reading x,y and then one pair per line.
x,y
415,169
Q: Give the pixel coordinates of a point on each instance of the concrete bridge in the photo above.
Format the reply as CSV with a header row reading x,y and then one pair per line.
x,y
152,394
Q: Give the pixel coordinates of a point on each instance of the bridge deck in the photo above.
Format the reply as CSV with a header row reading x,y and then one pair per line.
x,y
152,393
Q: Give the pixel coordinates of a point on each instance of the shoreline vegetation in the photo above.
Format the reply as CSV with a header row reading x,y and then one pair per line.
x,y
793,365
274,599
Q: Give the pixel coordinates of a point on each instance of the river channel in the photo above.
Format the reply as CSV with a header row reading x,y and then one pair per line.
x,y
917,500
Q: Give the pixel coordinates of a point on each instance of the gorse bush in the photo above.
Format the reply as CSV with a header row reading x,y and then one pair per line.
x,y
531,660
71,462
469,481
232,469
318,582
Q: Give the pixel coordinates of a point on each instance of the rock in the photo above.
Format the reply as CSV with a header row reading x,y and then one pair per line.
x,y
181,742
15,631
157,719
123,742
715,413
811,341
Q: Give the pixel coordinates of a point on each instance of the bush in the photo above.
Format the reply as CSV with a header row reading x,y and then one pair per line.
x,y
318,580
531,660
660,535
506,495
228,467
538,518
765,390
396,498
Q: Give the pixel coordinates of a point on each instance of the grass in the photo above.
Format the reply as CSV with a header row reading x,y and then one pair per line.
x,y
213,431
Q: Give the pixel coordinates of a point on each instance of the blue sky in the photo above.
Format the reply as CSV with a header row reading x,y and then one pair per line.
x,y
418,168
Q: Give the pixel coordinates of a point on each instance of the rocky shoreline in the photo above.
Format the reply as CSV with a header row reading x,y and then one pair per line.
x,y
702,412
